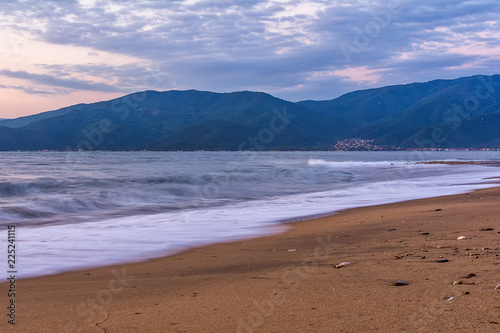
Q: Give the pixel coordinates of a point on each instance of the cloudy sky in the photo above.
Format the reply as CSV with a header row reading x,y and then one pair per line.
x,y
57,53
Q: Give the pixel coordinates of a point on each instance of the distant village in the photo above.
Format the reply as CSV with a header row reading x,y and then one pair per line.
x,y
358,144
352,144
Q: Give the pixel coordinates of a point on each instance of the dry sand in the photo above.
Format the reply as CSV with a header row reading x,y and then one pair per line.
x,y
286,282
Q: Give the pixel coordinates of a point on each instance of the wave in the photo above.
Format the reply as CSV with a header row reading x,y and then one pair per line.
x,y
353,164
8,189
21,188
72,194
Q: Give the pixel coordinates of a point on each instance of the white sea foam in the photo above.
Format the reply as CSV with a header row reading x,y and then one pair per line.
x,y
350,164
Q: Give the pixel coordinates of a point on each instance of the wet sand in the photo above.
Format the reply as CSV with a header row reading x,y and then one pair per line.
x,y
288,283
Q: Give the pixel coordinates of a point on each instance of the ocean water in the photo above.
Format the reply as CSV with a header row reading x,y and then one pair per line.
x,y
86,209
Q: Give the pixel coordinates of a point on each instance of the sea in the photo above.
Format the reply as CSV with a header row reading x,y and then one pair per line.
x,y
76,210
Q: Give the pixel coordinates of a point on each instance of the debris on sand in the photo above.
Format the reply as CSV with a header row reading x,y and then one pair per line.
x,y
342,264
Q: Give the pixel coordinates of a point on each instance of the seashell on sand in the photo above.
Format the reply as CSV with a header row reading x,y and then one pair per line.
x,y
342,264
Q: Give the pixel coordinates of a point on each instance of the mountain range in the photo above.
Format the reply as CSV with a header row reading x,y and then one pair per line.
x,y
460,113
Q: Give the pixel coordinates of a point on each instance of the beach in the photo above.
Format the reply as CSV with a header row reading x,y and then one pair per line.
x,y
288,283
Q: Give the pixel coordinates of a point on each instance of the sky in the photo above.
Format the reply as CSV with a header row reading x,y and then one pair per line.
x,y
58,53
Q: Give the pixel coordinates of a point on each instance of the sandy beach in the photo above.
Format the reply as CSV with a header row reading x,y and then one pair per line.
x,y
288,282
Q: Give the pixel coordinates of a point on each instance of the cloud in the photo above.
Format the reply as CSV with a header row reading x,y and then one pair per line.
x,y
275,46
49,80
359,75
34,91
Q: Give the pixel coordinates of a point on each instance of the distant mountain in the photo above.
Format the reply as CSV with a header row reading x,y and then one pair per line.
x,y
23,121
443,113
184,120
366,106
462,115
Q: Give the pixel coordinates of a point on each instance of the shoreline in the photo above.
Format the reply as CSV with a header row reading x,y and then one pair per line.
x,y
253,227
286,281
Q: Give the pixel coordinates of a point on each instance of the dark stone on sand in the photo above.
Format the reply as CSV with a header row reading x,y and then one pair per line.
x,y
399,283
470,275
442,260
438,210
426,233
486,229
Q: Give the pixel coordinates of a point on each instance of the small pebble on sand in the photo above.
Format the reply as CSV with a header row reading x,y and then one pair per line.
x,y
400,283
470,275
